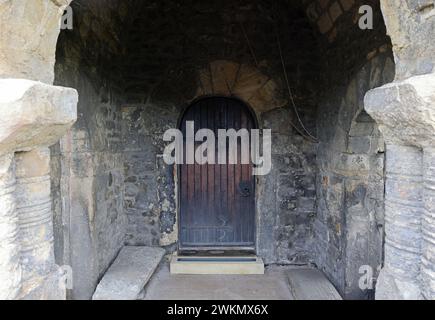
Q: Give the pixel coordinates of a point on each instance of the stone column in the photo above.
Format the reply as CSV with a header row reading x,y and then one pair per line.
x,y
33,116
428,225
35,219
405,113
10,270
403,214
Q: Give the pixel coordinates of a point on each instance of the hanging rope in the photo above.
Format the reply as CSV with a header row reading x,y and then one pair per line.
x,y
304,133
251,49
292,100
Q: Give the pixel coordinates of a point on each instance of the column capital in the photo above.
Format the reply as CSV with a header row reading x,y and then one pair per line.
x,y
34,114
405,110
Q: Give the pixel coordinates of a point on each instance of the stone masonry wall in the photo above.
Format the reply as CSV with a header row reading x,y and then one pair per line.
x,y
88,179
349,227
163,75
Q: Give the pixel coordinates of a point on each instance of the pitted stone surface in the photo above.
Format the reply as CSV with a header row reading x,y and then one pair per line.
x,y
405,113
130,272
405,110
28,35
10,268
34,114
311,284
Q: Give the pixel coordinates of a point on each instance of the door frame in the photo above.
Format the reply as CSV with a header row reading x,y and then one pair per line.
x,y
184,110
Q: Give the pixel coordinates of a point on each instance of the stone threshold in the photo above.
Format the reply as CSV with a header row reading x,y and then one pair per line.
x,y
203,265
129,274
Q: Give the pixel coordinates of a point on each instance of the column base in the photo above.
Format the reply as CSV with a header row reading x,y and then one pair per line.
x,y
390,288
51,287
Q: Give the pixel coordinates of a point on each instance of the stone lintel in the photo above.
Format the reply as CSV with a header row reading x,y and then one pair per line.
x,y
405,111
34,114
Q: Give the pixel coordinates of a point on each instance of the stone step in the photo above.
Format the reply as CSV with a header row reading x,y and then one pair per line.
x,y
129,274
216,265
311,284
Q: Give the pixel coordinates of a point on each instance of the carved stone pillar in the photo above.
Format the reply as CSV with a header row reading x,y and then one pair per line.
x,y
403,214
33,116
10,270
405,113
428,225
35,219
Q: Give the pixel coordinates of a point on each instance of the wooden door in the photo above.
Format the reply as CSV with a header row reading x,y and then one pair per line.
x,y
217,202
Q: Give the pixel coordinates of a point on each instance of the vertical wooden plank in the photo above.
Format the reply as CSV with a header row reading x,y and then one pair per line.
x,y
230,178
204,175
210,197
210,176
219,113
224,216
240,200
245,205
250,208
183,183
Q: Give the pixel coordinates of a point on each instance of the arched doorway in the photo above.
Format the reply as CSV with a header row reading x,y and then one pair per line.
x,y
217,201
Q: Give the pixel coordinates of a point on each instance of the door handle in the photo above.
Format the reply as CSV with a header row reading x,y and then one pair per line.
x,y
245,188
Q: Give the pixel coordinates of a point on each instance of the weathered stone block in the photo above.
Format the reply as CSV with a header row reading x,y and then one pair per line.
x,y
24,52
34,114
129,274
405,110
10,268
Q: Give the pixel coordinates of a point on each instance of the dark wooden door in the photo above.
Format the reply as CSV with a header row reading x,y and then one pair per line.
x,y
217,202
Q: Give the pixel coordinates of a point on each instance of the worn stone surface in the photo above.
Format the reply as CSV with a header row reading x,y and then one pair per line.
x,y
87,179
28,35
403,214
129,274
227,78
35,218
348,227
286,198
404,111
428,226
10,268
273,285
136,64
311,284
222,265
410,23
350,185
52,287
34,114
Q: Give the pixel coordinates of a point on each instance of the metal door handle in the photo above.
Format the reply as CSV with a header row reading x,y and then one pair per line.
x,y
245,188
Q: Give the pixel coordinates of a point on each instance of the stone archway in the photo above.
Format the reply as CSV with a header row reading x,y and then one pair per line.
x,y
246,82
34,26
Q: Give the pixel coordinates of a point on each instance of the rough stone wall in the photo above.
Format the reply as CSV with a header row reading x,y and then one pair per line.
x,y
163,74
150,202
28,35
286,198
88,183
350,183
410,25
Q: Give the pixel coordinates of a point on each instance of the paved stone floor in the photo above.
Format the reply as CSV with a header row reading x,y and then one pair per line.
x,y
273,285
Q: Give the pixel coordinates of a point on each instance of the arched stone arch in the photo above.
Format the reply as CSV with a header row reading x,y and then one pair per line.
x,y
28,36
246,82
